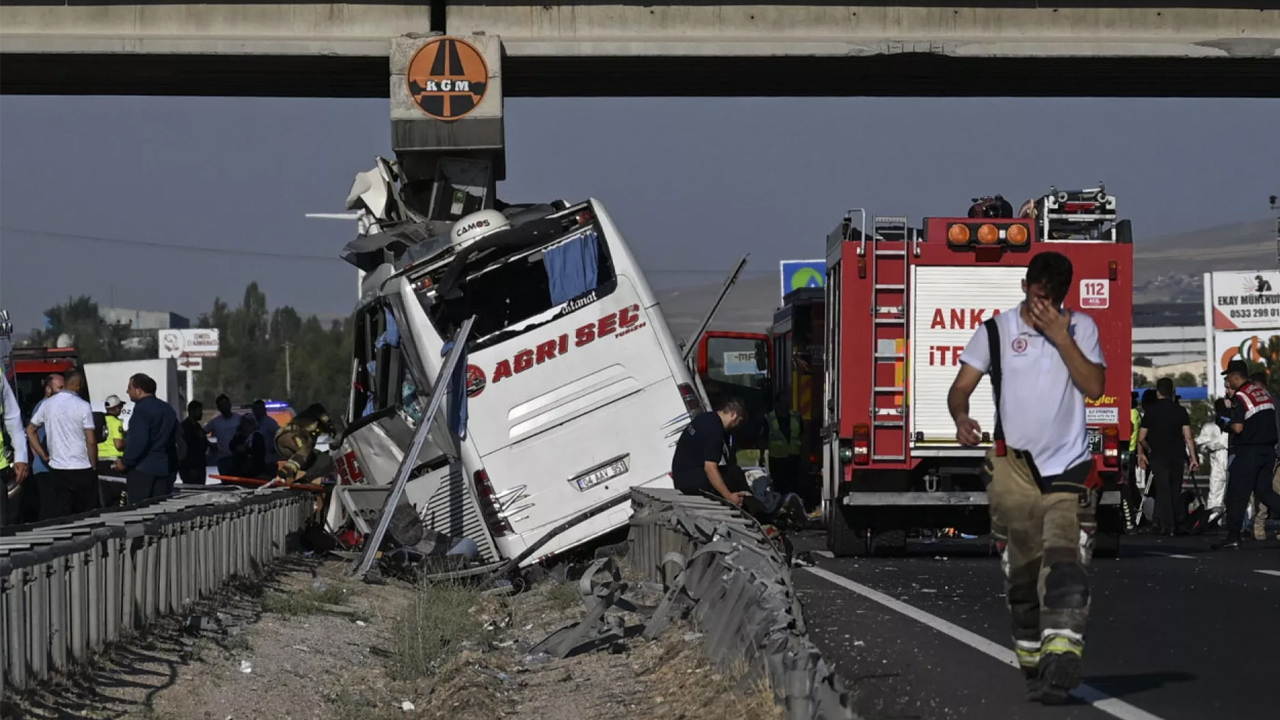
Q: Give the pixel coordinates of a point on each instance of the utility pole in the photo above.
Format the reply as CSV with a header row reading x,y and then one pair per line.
x,y
288,373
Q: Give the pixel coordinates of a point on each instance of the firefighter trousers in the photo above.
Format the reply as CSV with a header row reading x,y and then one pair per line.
x,y
1043,527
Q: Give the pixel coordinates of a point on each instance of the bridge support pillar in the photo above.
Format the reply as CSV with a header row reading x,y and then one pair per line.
x,y
447,121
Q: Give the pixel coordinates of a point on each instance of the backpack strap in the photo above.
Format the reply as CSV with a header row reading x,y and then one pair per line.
x,y
995,373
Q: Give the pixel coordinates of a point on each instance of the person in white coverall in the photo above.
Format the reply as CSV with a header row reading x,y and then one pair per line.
x,y
1212,440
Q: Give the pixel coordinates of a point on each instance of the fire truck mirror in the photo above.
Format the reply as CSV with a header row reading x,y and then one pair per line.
x,y
762,356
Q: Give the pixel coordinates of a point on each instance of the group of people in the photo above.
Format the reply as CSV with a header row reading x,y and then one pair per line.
x,y
245,444
59,457
1242,442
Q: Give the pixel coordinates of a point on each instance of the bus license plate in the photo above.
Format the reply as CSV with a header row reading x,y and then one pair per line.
x,y
1095,441
595,477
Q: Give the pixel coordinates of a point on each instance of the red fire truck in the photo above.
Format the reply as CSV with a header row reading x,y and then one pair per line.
x,y
902,303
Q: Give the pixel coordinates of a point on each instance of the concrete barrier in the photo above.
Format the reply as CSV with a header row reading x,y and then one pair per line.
x,y
720,570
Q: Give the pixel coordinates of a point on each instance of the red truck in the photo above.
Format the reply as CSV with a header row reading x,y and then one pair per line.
x,y
31,365
902,303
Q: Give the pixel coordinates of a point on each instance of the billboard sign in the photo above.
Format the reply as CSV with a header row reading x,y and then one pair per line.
x,y
1232,344
193,343
797,274
1244,300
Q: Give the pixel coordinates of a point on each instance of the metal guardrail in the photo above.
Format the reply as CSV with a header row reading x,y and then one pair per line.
x,y
716,565
69,589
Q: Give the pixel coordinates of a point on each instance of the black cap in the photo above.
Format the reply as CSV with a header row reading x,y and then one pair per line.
x,y
1237,367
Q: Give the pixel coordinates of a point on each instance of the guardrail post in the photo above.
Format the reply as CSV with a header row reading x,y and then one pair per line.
x,y
59,612
15,606
38,618
76,606
93,598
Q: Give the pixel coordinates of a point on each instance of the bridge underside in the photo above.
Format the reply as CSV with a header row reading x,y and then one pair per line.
x,y
318,48
905,74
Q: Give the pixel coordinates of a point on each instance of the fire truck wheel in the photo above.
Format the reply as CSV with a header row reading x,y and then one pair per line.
x,y
843,539
887,543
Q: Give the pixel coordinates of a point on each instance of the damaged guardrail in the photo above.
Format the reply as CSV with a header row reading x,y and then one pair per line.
x,y
719,569
69,589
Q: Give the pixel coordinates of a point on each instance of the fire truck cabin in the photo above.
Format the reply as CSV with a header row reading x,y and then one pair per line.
x,y
798,332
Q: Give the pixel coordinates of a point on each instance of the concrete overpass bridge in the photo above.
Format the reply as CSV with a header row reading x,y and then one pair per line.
x,y
625,48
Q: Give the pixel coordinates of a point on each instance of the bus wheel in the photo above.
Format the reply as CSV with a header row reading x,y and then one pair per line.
x,y
843,539
887,543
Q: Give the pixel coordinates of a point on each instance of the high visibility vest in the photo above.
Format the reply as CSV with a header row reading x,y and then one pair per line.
x,y
115,431
779,446
1135,420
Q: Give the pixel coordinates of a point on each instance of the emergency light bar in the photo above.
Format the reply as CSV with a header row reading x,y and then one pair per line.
x,y
987,234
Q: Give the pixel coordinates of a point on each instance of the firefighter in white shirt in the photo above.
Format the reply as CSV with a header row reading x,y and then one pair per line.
x,y
1044,361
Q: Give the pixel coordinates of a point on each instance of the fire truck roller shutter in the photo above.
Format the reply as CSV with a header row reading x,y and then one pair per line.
x,y
950,303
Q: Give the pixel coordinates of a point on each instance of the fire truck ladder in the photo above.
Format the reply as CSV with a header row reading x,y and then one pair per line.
x,y
890,267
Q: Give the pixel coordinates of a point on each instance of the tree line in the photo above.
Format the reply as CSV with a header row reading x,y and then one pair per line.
x,y
252,356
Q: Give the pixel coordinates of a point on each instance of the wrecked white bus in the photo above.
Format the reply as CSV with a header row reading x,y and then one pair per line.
x,y
575,390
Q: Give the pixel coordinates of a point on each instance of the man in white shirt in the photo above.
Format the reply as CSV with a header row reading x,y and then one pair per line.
x,y
72,485
1043,361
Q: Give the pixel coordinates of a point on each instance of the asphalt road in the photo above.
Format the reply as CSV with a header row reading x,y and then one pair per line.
x,y
1178,632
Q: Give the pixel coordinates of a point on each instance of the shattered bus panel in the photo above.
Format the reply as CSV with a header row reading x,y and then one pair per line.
x,y
573,390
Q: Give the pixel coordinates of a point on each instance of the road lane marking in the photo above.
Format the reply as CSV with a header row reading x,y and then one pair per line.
x,y
1269,572
1171,555
1098,699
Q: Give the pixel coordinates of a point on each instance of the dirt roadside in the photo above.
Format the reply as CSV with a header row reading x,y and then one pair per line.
x,y
311,643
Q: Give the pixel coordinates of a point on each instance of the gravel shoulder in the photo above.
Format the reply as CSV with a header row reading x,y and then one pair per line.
x,y
313,644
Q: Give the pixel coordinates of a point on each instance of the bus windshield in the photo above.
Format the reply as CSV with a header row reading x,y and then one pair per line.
x,y
514,289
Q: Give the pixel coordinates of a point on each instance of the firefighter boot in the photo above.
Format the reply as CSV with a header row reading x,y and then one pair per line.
x,y
1059,675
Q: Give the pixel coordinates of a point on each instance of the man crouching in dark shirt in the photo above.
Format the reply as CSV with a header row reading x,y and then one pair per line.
x,y
695,468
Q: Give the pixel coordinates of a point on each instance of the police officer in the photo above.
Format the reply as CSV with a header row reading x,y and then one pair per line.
x,y
1043,361
1253,432
111,448
784,445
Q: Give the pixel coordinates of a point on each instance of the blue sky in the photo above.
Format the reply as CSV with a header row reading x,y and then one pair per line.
x,y
693,183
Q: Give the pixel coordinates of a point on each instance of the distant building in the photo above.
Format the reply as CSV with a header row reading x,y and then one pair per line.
x,y
1170,345
1168,314
143,324
140,320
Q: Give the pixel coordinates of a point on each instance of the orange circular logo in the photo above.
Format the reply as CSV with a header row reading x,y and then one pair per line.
x,y
447,78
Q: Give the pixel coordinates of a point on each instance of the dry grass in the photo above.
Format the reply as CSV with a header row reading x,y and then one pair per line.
x,y
302,602
434,624
563,596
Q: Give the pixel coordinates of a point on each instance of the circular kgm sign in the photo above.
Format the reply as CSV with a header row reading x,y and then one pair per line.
x,y
447,78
